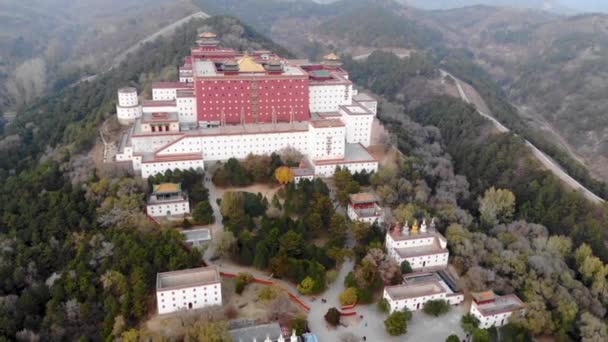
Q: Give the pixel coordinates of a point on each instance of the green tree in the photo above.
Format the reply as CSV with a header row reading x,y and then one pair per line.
x,y
452,338
481,335
497,206
405,267
384,306
436,307
203,213
349,296
242,280
396,323
209,332
332,316
307,286
469,323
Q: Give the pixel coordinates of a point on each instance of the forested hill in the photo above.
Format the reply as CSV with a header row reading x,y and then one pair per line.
x,y
551,250
71,118
78,260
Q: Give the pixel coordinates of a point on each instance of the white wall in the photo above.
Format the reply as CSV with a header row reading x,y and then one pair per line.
x,y
163,94
127,115
352,214
417,262
152,168
159,109
186,109
180,299
328,170
173,208
492,320
151,143
358,128
327,98
320,138
412,304
127,99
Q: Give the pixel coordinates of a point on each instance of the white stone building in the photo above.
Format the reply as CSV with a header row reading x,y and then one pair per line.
x,y
167,199
364,207
188,289
420,247
218,119
128,108
419,289
493,310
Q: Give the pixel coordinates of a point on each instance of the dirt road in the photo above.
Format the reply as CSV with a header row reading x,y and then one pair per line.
x,y
545,160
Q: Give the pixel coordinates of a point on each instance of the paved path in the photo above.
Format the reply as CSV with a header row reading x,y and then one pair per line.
x,y
549,163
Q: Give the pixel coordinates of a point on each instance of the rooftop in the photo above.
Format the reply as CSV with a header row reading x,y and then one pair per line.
x,y
353,153
127,90
257,332
207,34
355,110
165,188
413,290
204,68
362,197
501,304
326,123
159,103
159,117
202,234
171,85
363,97
187,278
433,248
331,57
247,64
484,296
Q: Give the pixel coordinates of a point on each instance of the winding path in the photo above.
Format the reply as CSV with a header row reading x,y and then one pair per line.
x,y
549,163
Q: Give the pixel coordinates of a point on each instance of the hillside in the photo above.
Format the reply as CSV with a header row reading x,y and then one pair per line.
x,y
68,40
554,69
78,256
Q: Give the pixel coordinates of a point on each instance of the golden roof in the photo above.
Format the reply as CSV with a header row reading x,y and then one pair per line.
x,y
247,64
331,57
207,34
167,188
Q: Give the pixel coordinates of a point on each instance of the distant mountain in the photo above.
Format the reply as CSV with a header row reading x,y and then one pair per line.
x,y
558,6
57,41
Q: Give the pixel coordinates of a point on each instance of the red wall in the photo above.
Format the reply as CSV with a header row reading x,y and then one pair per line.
x,y
233,93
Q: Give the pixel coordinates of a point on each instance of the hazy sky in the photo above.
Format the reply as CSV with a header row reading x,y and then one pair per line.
x,y
555,5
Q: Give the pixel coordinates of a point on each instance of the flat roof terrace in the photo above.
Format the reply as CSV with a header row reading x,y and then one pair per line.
x,y
502,304
187,278
408,252
406,291
353,153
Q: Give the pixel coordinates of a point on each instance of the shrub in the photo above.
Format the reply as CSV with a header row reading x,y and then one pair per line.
x,y
406,267
268,293
333,316
349,296
436,307
383,306
481,335
452,338
299,324
396,323
242,280
469,323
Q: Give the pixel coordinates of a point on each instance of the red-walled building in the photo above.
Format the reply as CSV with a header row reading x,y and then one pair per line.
x,y
233,88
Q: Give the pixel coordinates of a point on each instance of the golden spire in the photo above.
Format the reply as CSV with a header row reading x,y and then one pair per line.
x,y
331,57
415,227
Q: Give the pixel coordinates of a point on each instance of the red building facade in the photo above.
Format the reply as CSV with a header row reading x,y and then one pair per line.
x,y
252,99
